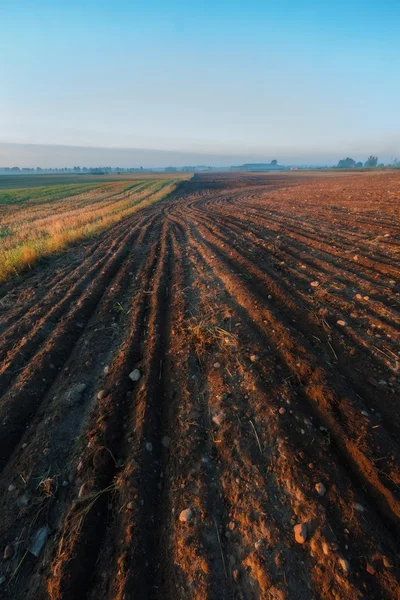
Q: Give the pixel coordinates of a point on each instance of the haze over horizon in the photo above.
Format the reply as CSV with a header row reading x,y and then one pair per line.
x,y
58,156
215,83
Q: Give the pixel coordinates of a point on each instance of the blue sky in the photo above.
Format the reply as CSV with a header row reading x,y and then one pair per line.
x,y
307,81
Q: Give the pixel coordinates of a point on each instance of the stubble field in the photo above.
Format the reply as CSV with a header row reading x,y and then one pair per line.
x,y
202,383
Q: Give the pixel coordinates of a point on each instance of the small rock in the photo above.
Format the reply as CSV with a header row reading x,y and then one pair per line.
x,y
8,552
217,365
341,323
364,413
186,515
130,505
135,375
282,410
38,541
370,569
165,441
149,446
106,370
218,419
101,394
300,533
366,297
358,297
359,508
314,284
231,525
345,565
387,562
11,487
321,489
254,358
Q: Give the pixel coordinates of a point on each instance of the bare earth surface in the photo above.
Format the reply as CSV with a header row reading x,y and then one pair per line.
x,y
261,313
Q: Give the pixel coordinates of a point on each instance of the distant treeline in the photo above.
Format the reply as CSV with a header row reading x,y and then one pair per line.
x,y
372,161
87,170
98,170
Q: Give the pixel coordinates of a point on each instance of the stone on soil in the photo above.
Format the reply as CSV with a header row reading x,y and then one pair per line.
x,y
186,516
218,419
321,489
300,533
345,565
38,541
8,552
135,375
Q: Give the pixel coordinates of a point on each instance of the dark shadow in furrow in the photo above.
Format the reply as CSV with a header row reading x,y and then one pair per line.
x,y
215,496
220,583
301,252
391,424
307,255
32,343
225,237
297,228
307,408
380,501
77,575
74,277
29,389
64,449
148,556
59,299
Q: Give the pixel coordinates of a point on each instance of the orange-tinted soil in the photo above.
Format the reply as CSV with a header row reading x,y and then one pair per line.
x,y
262,312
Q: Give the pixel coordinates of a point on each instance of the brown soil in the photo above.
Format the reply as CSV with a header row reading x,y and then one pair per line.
x,y
252,391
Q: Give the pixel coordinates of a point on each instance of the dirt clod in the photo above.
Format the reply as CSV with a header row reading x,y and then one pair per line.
x,y
300,532
321,489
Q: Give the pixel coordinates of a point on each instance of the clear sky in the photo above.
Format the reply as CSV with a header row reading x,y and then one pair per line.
x,y
302,80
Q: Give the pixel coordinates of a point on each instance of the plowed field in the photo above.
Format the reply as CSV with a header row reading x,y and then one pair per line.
x,y
182,391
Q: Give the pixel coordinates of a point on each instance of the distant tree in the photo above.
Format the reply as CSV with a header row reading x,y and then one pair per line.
x,y
359,165
346,163
274,162
372,161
